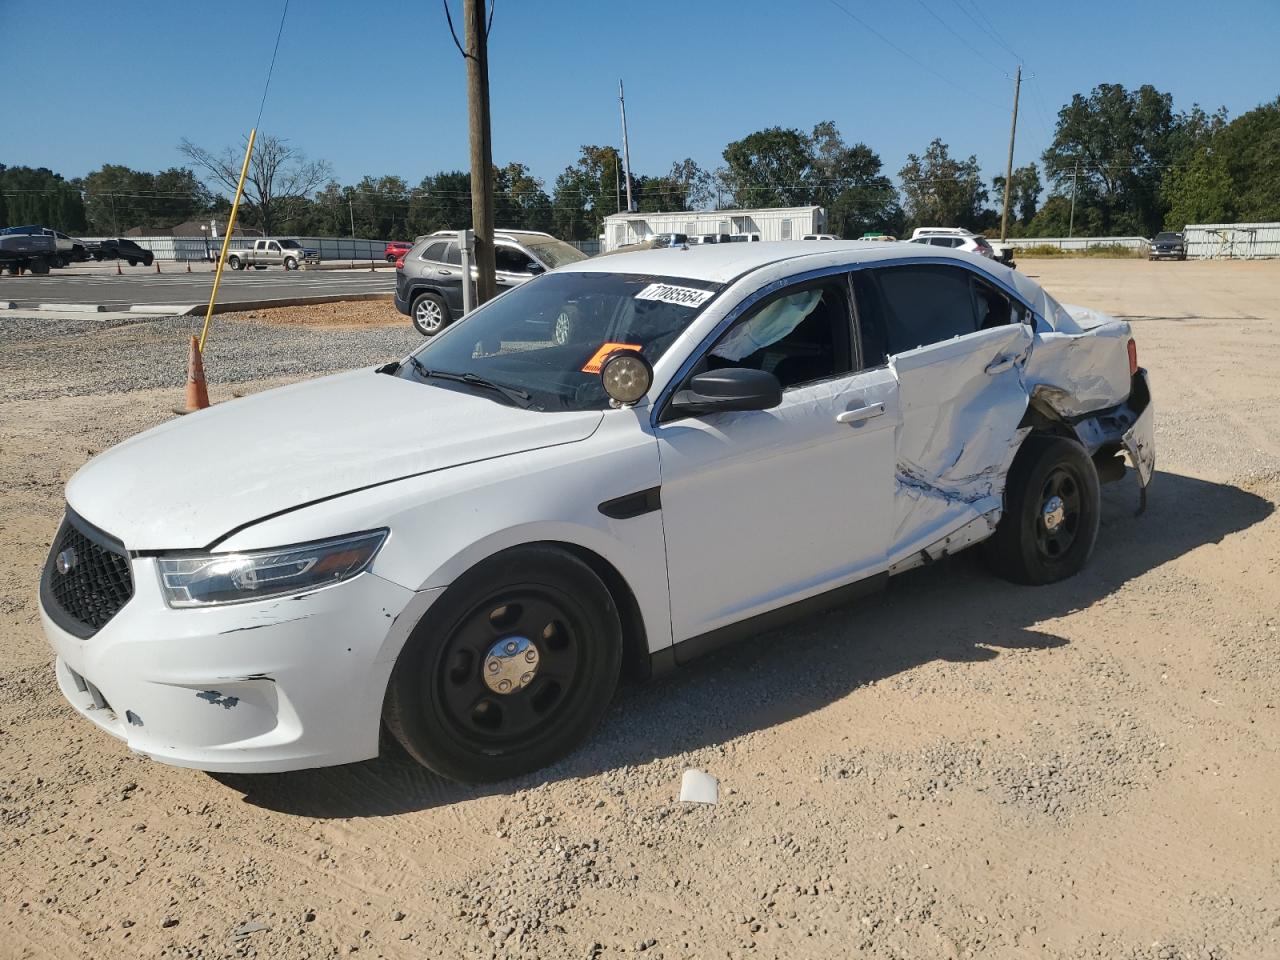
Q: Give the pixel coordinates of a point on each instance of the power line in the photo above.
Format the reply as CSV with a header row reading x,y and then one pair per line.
x,y
995,33
950,81
929,10
272,68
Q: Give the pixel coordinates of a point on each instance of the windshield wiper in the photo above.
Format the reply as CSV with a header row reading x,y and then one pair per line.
x,y
517,396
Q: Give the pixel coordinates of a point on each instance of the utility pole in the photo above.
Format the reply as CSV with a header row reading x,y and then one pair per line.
x,y
1008,169
477,56
617,181
352,211
1071,224
626,151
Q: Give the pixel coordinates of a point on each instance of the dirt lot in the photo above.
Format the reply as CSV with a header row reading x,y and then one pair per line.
x,y
957,768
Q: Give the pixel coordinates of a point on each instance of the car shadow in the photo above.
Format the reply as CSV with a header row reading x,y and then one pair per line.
x,y
952,610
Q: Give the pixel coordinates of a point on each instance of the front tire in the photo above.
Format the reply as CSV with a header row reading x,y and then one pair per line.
x,y
1051,511
430,314
290,263
509,670
233,263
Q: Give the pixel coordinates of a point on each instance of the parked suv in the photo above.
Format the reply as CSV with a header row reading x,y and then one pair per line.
x,y
120,248
429,284
955,238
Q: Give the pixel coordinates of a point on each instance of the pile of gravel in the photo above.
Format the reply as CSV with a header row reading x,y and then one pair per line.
x,y
42,359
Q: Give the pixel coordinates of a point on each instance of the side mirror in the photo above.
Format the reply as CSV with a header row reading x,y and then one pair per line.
x,y
734,388
535,268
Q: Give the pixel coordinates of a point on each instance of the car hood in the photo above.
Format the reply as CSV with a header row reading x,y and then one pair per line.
x,y
189,482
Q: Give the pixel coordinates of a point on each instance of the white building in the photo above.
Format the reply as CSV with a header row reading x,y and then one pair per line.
x,y
767,223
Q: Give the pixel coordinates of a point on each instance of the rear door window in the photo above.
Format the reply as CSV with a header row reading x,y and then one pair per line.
x,y
435,251
453,254
922,304
512,260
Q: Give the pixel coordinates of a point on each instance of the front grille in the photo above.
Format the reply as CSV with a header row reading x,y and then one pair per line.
x,y
90,583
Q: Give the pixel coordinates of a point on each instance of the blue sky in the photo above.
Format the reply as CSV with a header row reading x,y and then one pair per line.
x,y
381,89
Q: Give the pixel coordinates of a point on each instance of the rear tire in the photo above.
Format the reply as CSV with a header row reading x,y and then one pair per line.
x,y
430,314
1051,512
534,614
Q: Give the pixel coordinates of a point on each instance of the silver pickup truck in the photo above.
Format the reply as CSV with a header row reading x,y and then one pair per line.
x,y
289,254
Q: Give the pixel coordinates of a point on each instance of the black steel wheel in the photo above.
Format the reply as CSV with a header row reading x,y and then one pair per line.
x,y
508,670
1052,507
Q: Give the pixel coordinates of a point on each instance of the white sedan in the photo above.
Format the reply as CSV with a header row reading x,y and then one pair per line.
x,y
610,469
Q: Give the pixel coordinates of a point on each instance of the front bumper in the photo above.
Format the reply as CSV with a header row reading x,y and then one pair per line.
x,y
264,686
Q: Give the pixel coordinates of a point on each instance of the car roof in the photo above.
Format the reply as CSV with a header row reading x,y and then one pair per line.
x,y
722,262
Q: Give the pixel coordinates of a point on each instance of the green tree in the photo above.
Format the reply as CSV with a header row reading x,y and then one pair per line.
x,y
847,182
940,191
1122,142
117,198
586,193
1024,193
441,202
520,202
37,195
1230,173
771,168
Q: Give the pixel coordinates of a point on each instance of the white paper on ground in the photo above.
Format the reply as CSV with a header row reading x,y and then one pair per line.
x,y
698,786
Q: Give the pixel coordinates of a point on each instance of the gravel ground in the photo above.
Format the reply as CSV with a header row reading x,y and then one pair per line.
x,y
956,768
94,358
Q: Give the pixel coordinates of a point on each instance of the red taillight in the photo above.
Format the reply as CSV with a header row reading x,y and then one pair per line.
x,y
1133,357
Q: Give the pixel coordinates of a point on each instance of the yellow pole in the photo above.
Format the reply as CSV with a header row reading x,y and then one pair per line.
x,y
226,240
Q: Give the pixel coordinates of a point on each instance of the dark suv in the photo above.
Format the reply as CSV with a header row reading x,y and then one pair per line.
x,y
1168,244
120,248
429,285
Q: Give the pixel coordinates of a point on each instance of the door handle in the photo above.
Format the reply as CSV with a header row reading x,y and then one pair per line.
x,y
1001,364
445,273
861,414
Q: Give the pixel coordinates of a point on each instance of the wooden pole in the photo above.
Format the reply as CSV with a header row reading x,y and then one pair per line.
x,y
477,54
1008,169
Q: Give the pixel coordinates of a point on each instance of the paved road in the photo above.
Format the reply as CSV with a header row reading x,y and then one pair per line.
x,y
188,288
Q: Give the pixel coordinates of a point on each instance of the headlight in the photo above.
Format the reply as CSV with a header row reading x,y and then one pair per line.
x,y
198,580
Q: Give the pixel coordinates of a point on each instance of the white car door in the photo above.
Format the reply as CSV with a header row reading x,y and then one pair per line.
x,y
957,347
763,508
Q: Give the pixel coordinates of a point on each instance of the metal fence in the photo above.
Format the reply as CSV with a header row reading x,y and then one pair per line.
x,y
589,247
1232,241
1079,243
206,248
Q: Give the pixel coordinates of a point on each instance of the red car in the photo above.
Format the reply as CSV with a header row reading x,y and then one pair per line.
x,y
396,249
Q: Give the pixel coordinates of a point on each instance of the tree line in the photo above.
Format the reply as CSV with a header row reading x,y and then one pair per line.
x,y
1121,162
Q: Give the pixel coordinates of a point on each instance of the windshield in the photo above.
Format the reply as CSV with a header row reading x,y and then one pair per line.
x,y
1167,236
548,336
555,253
291,244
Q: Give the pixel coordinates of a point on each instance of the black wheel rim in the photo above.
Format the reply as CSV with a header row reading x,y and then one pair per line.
x,y
1058,514
505,720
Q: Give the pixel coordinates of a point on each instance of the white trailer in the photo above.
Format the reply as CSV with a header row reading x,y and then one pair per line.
x,y
766,223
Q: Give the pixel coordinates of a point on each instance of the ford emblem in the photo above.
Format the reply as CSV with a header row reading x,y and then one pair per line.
x,y
66,560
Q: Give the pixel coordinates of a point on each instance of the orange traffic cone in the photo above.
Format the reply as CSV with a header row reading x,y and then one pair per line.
x,y
197,390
